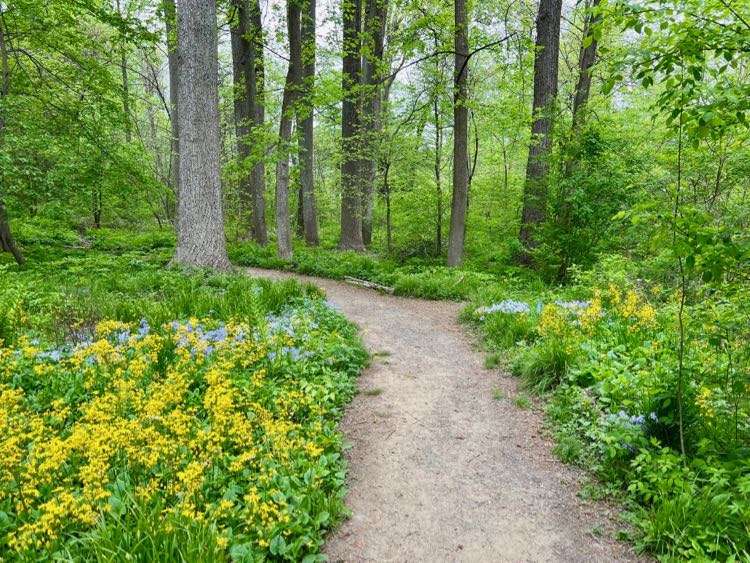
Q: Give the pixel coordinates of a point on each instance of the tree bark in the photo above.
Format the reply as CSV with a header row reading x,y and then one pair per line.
x,y
351,190
170,20
586,62
460,138
250,30
200,227
288,105
372,92
438,176
540,150
125,83
305,122
7,243
243,110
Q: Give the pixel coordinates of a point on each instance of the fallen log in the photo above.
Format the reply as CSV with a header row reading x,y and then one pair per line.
x,y
368,284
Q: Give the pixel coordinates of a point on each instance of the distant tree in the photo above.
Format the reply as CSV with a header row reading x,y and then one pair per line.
x,y
374,26
351,189
305,122
586,60
169,13
545,92
460,138
288,104
200,224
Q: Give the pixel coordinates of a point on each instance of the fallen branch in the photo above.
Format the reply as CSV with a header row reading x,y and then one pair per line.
x,y
368,284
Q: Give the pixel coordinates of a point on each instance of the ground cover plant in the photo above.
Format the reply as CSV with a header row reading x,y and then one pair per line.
x,y
421,278
162,415
606,358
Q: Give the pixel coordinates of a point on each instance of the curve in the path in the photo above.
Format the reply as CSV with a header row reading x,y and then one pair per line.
x,y
440,470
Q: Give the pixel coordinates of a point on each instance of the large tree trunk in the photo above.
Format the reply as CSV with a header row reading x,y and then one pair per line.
x,y
305,123
540,150
371,124
250,32
351,189
7,243
586,62
200,226
170,21
243,110
460,138
291,93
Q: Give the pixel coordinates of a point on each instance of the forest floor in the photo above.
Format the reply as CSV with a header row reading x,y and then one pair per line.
x,y
444,466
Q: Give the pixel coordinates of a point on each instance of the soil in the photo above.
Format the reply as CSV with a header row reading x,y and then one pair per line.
x,y
443,465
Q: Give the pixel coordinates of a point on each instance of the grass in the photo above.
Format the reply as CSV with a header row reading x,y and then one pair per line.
x,y
415,278
498,394
374,392
522,402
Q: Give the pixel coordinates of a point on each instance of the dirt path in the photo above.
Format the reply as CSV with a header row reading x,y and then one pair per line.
x,y
440,470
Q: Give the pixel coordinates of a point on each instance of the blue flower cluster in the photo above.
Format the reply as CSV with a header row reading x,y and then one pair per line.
x,y
509,307
575,307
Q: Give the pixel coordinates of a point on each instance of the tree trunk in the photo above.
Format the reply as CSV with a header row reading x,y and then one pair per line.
x,y
243,110
438,178
291,92
540,150
7,243
305,122
586,61
371,125
460,139
388,220
351,190
170,20
200,225
250,31
125,83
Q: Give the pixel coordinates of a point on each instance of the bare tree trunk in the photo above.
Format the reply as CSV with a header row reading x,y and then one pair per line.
x,y
586,62
351,190
125,83
250,51
438,178
288,104
243,111
170,21
374,34
460,138
200,225
305,122
540,150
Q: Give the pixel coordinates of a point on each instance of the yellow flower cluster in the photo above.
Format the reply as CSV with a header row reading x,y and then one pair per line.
x,y
554,322
177,411
634,308
703,400
592,314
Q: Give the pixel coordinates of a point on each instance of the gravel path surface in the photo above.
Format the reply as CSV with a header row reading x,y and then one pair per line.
x,y
440,470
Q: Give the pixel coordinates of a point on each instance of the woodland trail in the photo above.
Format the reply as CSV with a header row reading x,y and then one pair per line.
x,y
439,469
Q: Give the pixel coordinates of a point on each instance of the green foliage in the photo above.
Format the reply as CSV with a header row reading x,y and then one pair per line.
x,y
410,280
611,369
225,354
